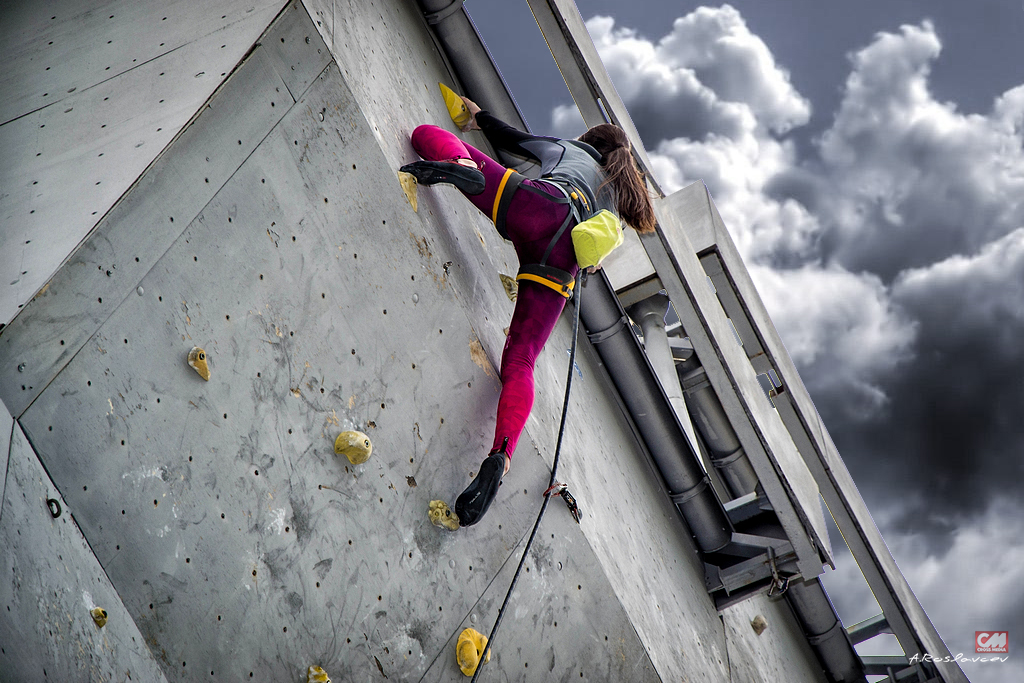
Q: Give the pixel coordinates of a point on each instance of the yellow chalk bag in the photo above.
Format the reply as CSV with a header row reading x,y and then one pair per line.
x,y
596,237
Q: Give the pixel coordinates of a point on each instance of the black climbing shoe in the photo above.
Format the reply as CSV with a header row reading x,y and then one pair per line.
x,y
474,501
469,180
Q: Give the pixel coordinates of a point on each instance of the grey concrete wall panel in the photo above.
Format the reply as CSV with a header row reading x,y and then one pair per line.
x,y
637,535
564,621
182,464
393,66
91,92
133,235
72,38
6,433
218,509
779,653
51,582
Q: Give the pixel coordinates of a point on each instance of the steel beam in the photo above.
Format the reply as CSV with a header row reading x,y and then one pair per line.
x,y
763,345
868,629
746,507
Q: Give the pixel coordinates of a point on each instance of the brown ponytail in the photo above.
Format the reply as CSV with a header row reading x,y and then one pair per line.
x,y
634,204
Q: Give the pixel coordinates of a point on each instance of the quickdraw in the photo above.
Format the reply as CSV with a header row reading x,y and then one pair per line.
x,y
779,583
560,489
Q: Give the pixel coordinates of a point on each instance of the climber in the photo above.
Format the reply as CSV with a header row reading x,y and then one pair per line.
x,y
578,179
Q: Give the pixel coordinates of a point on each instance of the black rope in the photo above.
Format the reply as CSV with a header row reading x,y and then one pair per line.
x,y
581,277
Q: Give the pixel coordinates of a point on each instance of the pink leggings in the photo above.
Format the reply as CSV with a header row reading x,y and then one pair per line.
x,y
531,223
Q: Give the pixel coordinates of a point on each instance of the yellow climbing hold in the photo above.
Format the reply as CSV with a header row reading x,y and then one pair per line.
x,y
197,361
408,181
456,107
467,651
441,515
353,445
317,675
510,285
99,615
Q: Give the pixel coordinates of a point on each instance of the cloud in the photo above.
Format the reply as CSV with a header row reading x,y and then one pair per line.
x,y
955,410
709,76
830,314
887,257
890,254
912,180
972,585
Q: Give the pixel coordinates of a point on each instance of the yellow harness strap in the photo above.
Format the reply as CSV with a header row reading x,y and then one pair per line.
x,y
497,197
564,290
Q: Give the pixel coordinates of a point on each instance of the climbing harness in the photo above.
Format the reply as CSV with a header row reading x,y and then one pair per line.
x,y
541,273
555,488
594,236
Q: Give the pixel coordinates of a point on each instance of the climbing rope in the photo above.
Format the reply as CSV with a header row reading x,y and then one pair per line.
x,y
554,487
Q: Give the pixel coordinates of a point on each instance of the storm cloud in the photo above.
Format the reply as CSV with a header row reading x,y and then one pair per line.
x,y
890,254
890,258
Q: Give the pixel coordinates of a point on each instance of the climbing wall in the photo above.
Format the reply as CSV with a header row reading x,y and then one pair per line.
x,y
238,542
217,525
52,582
92,92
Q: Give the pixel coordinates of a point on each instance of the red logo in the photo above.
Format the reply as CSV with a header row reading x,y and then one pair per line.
x,y
992,641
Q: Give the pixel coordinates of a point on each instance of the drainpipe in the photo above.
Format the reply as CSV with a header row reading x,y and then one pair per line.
x,y
650,315
825,632
724,446
472,64
701,404
608,329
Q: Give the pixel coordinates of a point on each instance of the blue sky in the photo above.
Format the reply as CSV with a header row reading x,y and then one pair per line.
x,y
867,158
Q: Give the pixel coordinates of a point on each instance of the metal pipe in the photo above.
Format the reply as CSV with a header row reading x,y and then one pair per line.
x,y
471,62
608,329
650,315
824,631
707,413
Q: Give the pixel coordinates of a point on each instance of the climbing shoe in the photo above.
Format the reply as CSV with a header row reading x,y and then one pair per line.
x,y
469,179
474,501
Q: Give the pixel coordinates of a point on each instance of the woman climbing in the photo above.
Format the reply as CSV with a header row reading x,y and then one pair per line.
x,y
578,179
